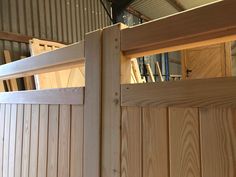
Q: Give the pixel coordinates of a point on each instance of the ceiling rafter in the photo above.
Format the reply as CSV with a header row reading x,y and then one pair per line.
x,y
137,14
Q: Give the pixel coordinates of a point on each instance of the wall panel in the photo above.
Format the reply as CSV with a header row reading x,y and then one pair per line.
x,y
178,142
41,140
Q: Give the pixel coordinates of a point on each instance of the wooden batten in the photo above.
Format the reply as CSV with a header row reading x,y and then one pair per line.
x,y
67,57
193,28
187,93
72,96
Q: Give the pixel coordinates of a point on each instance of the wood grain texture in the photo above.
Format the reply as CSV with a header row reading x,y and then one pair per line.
x,y
93,97
12,144
131,145
185,93
6,141
155,142
34,139
207,62
194,28
184,142
50,96
43,141
59,79
64,58
218,142
64,141
76,159
2,125
53,132
112,65
26,140
19,139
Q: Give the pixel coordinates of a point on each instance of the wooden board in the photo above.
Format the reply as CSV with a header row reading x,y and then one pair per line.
x,y
190,29
12,84
67,57
60,79
207,62
181,142
131,151
37,140
218,142
119,70
93,97
184,142
191,93
155,142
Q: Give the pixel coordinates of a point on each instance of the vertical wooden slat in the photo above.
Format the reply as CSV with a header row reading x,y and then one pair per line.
x,y
218,142
64,141
34,141
43,139
2,125
26,141
92,119
184,142
12,140
6,141
155,142
76,163
53,140
19,139
131,152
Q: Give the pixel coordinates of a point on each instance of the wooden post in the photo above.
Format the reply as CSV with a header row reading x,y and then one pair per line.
x,y
92,110
116,69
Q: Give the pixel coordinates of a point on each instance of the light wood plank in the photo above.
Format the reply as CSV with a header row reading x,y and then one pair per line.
x,y
193,28
13,82
19,140
34,137
50,96
159,72
64,58
76,156
26,140
12,146
43,139
113,65
6,141
184,142
218,142
185,93
64,141
155,142
53,140
150,73
131,145
92,119
2,125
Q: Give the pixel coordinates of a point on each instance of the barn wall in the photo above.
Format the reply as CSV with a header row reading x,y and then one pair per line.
x,y
59,20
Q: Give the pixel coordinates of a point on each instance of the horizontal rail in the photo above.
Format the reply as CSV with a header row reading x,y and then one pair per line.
x,y
186,93
72,96
201,26
63,58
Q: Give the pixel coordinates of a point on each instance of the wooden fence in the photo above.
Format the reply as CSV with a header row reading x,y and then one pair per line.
x,y
113,129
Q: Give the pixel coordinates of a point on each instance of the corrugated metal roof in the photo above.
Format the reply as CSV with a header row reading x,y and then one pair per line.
x,y
153,8
159,8
59,20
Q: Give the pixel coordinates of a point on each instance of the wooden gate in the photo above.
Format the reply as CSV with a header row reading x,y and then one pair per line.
x,y
184,128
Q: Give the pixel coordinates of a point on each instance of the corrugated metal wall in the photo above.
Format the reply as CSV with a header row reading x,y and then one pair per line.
x,y
59,20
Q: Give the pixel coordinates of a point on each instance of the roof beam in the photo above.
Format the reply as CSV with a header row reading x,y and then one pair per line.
x,y
137,14
177,5
201,26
